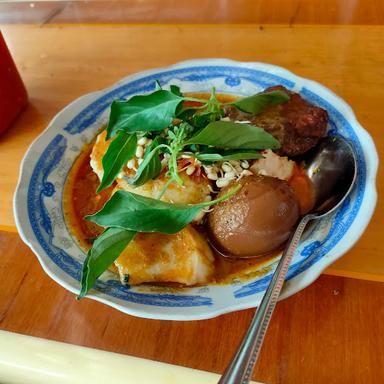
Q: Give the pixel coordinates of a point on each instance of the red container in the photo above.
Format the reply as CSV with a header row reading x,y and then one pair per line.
x,y
13,95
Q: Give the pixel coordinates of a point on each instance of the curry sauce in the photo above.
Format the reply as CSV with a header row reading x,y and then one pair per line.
x,y
80,199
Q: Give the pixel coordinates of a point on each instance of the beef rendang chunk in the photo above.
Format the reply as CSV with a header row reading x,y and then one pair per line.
x,y
297,124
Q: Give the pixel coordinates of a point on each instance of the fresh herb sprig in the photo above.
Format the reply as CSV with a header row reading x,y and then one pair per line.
x,y
226,134
160,110
150,168
121,149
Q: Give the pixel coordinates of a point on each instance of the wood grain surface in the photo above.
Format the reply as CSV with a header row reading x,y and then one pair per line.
x,y
289,12
61,63
332,332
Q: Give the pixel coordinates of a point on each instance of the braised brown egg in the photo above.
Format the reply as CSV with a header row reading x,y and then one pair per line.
x,y
256,220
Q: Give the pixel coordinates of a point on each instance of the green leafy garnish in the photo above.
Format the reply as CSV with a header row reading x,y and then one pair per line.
x,y
142,214
175,90
258,103
187,113
105,250
150,168
176,145
227,155
152,112
226,134
121,150
200,120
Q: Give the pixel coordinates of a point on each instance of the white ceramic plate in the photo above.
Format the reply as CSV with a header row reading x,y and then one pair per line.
x,y
38,198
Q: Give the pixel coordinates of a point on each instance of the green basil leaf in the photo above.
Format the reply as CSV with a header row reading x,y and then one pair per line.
x,y
152,112
258,103
105,250
228,155
150,168
186,113
226,134
175,90
118,153
142,214
200,120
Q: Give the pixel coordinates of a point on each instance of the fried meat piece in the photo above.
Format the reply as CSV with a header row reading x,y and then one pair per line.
x,y
297,124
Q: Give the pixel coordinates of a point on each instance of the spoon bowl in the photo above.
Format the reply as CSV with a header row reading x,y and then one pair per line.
x,y
332,169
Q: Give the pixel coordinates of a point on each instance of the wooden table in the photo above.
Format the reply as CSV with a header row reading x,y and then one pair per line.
x,y
342,58
330,332
288,12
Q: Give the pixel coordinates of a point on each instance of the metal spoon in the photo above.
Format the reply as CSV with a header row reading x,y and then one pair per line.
x,y
332,168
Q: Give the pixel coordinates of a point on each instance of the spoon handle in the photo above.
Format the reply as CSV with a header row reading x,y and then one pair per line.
x,y
240,369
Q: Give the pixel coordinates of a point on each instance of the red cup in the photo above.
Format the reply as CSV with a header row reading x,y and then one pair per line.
x,y
13,95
